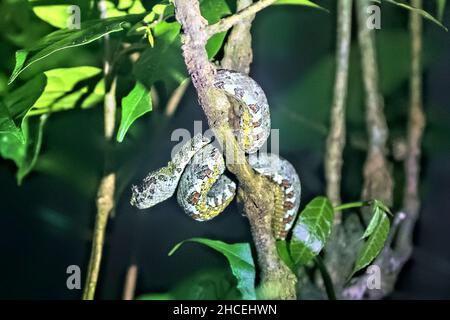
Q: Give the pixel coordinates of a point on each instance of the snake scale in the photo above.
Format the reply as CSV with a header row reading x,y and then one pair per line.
x,y
197,169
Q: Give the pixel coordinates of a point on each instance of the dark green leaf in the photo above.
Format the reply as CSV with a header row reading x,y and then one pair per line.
x,y
423,13
134,105
209,284
164,62
213,11
441,8
283,252
374,244
240,258
300,2
64,39
311,231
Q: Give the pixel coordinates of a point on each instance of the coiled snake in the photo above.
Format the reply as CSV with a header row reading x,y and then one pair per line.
x,y
197,168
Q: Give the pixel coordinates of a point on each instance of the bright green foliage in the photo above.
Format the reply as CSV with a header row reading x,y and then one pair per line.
x,y
134,105
64,39
312,230
240,259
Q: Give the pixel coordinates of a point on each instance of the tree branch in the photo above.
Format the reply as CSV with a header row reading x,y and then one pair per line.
x,y
106,189
398,249
336,135
255,190
378,182
228,22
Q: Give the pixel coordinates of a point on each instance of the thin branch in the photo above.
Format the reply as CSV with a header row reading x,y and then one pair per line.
x,y
105,203
228,22
336,135
176,97
238,53
378,182
130,283
416,126
255,190
399,245
106,189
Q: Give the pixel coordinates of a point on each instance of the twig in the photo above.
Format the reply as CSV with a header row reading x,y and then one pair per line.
x,y
228,22
238,53
378,182
336,135
399,245
130,283
106,189
255,190
416,126
105,203
176,97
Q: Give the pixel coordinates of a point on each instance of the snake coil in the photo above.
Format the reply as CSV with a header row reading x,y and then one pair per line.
x,y
197,168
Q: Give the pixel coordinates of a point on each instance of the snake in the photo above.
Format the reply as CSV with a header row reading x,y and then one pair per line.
x,y
197,169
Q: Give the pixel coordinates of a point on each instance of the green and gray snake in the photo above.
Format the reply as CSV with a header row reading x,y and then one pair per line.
x,y
197,169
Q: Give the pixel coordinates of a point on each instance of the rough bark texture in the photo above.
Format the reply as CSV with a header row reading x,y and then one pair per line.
x,y
399,244
255,190
336,135
378,183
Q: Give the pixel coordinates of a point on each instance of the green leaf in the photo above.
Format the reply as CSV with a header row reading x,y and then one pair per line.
x,y
134,105
299,2
213,11
440,9
240,258
164,62
54,90
312,230
33,129
155,296
423,13
374,244
206,284
376,217
63,90
283,252
64,39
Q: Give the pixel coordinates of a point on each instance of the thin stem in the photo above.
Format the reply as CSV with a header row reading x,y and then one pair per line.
x,y
326,278
336,135
351,205
228,22
106,189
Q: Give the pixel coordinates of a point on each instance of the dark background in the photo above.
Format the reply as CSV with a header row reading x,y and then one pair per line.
x,y
46,223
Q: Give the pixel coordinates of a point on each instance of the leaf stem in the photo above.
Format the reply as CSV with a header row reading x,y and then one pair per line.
x,y
351,205
329,287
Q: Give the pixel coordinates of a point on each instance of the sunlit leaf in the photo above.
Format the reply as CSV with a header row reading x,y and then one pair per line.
x,y
312,230
64,39
240,258
134,105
